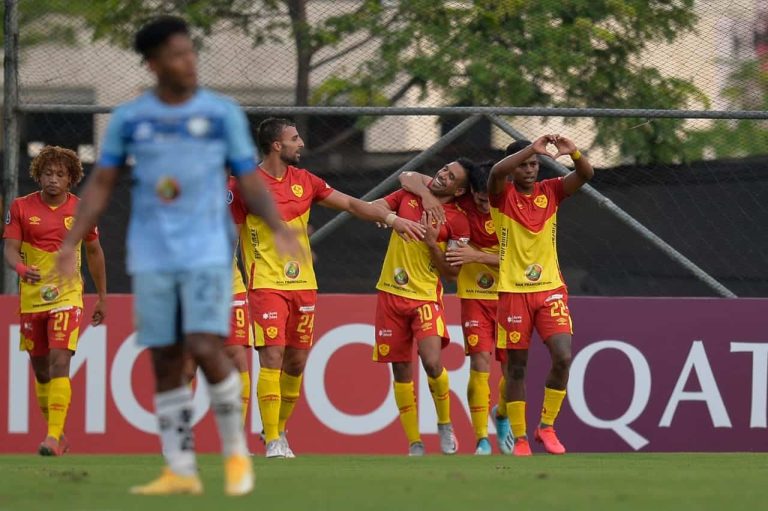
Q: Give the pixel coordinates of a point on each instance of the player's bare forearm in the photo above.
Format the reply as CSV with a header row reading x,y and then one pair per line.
x,y
486,258
12,252
93,202
259,201
415,183
370,211
94,257
443,266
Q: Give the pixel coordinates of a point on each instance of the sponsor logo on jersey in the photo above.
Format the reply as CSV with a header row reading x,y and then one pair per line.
x,y
49,293
471,323
385,333
533,272
8,217
269,315
307,308
485,281
167,189
413,203
401,276
292,270
34,220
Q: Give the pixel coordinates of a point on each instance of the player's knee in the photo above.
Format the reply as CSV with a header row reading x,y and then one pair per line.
x,y
517,371
562,363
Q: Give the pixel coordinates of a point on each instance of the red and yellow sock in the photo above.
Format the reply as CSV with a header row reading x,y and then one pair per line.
x,y
516,413
553,400
41,391
501,409
59,397
478,395
290,388
440,389
268,391
406,404
245,392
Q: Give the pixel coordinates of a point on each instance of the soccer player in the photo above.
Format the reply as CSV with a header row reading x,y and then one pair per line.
x,y
51,308
180,238
532,292
283,290
477,282
409,304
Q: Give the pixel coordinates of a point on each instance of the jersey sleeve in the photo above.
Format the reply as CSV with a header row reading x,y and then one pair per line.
x,y
497,199
236,205
13,222
241,153
113,146
393,199
555,189
320,188
458,228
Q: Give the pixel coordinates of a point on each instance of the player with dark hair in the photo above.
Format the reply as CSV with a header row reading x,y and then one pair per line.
x,y
410,301
283,290
51,308
180,239
532,293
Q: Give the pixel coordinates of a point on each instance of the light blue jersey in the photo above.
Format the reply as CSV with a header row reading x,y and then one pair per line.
x,y
179,220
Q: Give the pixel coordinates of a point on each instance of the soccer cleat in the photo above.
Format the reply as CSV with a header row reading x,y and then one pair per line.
x,y
275,449
504,439
448,442
170,483
522,447
416,449
546,435
238,475
50,447
483,447
286,448
64,443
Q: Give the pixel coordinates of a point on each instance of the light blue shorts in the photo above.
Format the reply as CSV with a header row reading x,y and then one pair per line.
x,y
168,305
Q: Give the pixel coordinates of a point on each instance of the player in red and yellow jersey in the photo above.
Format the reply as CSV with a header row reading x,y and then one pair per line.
x,y
477,282
532,292
283,290
51,308
409,306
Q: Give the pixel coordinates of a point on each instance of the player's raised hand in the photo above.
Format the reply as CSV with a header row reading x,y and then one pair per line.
x,y
433,206
461,254
287,243
431,228
66,262
408,229
540,145
99,312
565,146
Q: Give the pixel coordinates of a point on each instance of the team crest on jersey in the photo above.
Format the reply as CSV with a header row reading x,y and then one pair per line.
x,y
272,332
143,131
489,227
167,189
69,221
383,349
533,272
541,201
401,276
34,220
292,270
514,337
49,293
297,190
485,281
473,339
198,126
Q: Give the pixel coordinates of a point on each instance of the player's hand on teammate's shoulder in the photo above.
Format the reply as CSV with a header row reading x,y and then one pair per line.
x,y
99,312
287,243
461,254
433,206
431,228
408,229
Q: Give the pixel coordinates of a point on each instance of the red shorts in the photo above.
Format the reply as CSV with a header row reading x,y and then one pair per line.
x,y
400,321
283,318
239,326
50,330
519,313
478,323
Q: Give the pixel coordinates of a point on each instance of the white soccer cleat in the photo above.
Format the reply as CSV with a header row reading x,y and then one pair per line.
x,y
449,444
416,449
286,448
275,449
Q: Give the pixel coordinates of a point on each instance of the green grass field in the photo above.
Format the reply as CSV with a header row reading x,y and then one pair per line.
x,y
572,482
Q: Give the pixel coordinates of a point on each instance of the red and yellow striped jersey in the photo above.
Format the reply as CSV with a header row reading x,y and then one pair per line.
x,y
527,230
294,195
476,280
408,270
41,230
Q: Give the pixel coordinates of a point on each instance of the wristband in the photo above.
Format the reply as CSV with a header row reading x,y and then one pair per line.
x,y
21,269
576,155
390,220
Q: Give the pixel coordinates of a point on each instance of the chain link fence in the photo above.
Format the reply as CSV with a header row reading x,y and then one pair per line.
x,y
667,98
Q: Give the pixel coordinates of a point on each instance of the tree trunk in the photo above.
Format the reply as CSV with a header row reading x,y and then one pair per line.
x,y
297,10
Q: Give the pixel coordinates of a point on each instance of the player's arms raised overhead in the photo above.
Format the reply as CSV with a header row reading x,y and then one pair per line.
x,y
12,253
418,184
436,253
93,202
377,211
506,166
463,254
584,171
94,257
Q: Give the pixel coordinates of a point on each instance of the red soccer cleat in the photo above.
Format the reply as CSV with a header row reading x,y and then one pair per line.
x,y
49,447
63,444
547,436
522,447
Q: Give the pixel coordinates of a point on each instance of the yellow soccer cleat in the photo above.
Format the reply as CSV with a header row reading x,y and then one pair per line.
x,y
170,483
238,475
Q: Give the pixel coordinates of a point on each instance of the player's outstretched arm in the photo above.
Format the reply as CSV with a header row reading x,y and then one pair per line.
x,y
93,202
583,172
464,254
94,257
377,211
499,172
418,184
435,252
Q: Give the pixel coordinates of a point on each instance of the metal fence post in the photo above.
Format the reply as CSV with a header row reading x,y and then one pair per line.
x,y
10,123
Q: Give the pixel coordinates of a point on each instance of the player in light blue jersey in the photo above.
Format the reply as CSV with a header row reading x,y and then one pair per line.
x,y
180,241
